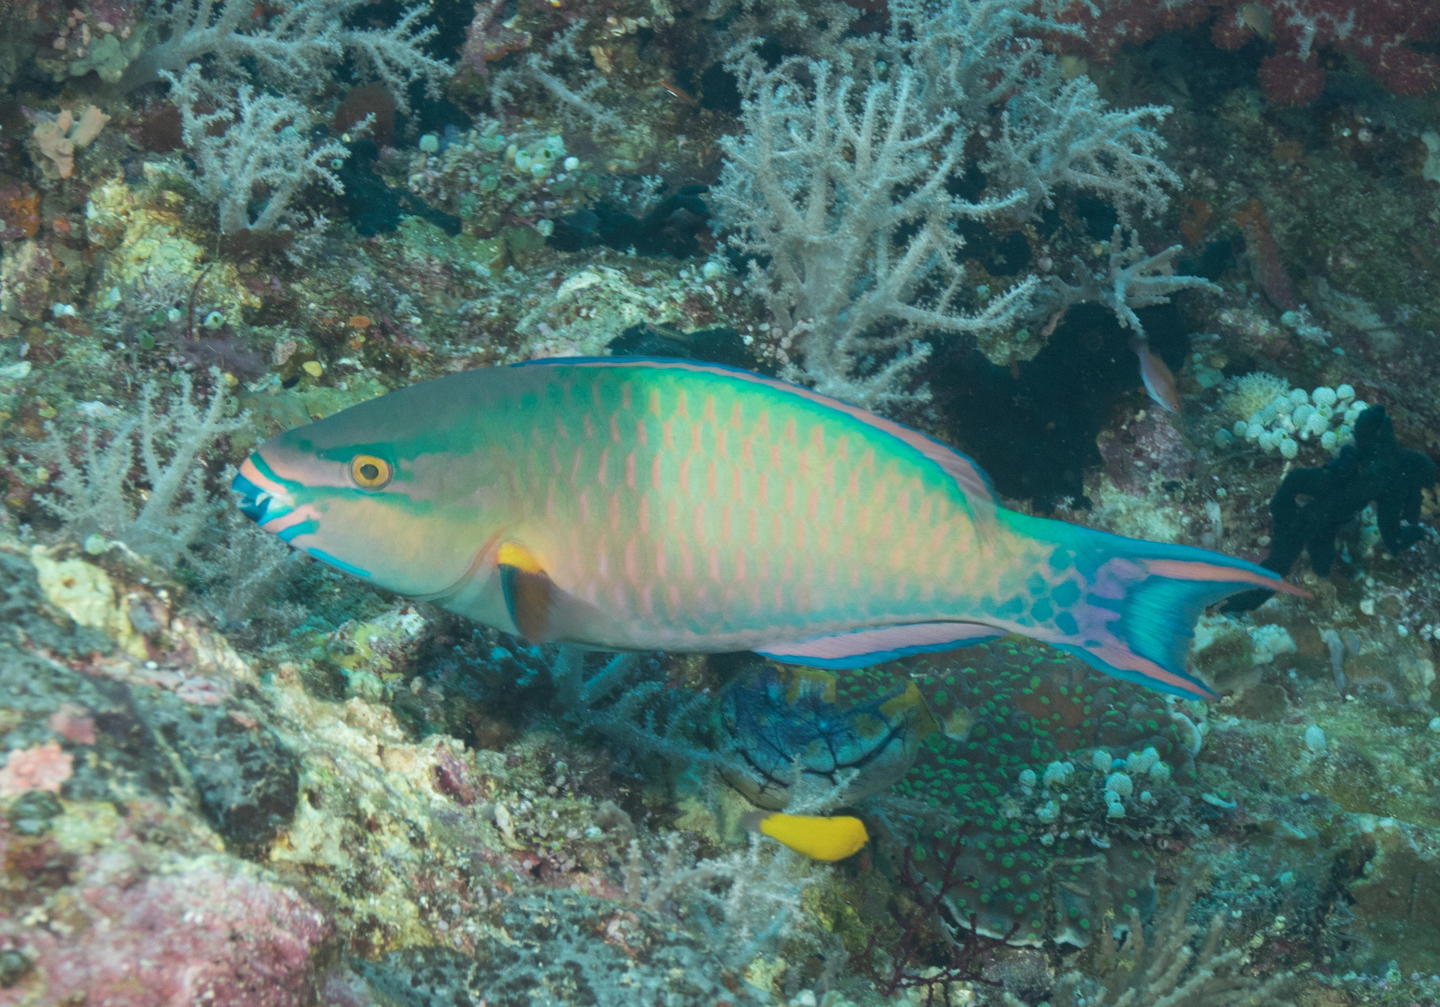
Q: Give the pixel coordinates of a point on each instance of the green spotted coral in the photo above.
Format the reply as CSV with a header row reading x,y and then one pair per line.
x,y
1048,775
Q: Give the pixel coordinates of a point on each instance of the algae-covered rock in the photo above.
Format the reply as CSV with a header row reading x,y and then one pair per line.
x,y
245,779
85,593
554,948
590,308
1397,902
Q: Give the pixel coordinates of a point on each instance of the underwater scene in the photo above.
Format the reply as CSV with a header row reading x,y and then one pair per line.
x,y
719,503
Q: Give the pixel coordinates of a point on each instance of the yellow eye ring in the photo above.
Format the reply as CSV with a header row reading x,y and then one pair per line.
x,y
370,473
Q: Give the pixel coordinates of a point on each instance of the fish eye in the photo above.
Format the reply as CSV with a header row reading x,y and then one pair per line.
x,y
369,472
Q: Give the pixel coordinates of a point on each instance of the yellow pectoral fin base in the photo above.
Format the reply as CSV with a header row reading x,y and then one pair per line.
x,y
819,838
519,557
529,593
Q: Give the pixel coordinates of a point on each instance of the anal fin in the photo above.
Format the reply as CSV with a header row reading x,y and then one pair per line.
x,y
863,647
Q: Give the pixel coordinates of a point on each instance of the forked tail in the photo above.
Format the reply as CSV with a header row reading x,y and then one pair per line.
x,y
1128,607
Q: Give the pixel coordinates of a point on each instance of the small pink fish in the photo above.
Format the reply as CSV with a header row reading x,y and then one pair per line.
x,y
1158,378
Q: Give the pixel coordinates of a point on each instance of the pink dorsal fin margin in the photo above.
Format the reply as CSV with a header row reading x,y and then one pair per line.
x,y
967,475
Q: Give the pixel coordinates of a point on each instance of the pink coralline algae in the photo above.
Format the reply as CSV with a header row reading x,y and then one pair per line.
x,y
488,39
1376,33
43,767
1144,448
73,724
210,934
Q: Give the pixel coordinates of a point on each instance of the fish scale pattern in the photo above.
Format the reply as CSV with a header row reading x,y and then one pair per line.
x,y
697,503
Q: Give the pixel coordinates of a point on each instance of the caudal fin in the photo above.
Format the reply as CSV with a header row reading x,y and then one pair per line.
x,y
1129,607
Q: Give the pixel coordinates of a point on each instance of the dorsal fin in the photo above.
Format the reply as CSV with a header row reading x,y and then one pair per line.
x,y
971,479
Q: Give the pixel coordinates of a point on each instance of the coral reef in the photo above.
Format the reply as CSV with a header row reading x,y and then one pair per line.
x,y
259,144
228,775
840,184
1381,36
96,491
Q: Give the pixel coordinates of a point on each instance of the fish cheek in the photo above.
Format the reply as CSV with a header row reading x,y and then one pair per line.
x,y
405,551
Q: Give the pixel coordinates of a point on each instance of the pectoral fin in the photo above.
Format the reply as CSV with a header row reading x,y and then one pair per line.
x,y
530,594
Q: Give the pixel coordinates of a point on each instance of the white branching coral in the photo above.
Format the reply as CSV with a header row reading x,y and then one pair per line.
x,y
1132,280
167,445
1168,971
295,49
1063,135
744,902
843,190
259,150
556,71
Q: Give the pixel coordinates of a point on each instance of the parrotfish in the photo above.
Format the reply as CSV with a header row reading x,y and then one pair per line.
x,y
650,504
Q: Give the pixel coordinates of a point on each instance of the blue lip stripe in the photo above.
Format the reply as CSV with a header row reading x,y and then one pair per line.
x,y
339,564
250,504
303,528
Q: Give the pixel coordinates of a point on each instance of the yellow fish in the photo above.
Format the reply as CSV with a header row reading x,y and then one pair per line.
x,y
813,836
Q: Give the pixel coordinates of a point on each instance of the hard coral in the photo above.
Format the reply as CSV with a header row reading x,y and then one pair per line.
x,y
1014,778
19,211
1380,34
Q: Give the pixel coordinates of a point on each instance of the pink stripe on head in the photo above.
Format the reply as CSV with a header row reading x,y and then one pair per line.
x,y
301,514
253,475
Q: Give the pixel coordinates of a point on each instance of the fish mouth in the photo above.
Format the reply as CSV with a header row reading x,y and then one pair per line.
x,y
263,498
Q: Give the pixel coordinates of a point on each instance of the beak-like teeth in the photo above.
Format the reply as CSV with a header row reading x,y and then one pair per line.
x,y
274,505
